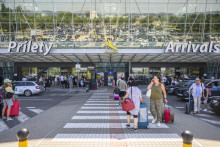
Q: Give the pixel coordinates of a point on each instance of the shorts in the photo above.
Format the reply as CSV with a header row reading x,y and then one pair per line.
x,y
122,93
7,102
62,82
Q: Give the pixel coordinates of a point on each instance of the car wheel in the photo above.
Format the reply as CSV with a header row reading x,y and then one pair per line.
x,y
27,93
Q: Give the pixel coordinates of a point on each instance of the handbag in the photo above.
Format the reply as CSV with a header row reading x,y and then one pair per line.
x,y
148,94
128,104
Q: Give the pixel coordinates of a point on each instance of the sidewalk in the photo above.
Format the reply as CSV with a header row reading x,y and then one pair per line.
x,y
94,119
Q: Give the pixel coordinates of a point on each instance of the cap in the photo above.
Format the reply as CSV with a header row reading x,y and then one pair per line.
x,y
7,81
197,79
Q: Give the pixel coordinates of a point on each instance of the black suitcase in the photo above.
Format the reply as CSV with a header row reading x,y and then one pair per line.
x,y
189,106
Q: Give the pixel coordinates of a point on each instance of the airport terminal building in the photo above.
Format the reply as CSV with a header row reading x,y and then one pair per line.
x,y
111,37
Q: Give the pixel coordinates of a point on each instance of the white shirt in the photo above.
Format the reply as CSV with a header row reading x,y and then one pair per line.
x,y
61,78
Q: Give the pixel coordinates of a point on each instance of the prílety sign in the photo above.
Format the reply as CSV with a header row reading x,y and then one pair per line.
x,y
189,47
27,46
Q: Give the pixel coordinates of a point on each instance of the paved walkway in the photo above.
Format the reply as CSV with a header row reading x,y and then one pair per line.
x,y
94,119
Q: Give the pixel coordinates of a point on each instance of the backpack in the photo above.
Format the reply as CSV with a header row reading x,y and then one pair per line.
x,y
6,95
3,94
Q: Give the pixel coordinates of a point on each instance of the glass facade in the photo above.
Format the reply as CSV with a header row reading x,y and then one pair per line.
x,y
128,23
6,71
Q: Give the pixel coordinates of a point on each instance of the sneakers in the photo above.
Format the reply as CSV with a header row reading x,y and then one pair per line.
x,y
205,110
158,124
128,126
3,117
119,105
8,119
153,121
133,129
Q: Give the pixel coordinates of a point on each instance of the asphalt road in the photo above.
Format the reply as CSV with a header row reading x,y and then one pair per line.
x,y
36,104
208,116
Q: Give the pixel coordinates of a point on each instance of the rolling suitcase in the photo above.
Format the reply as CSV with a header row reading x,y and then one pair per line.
x,y
116,96
167,115
143,116
14,109
189,106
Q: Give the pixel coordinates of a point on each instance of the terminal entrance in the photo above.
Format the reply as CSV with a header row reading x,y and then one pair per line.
x,y
112,71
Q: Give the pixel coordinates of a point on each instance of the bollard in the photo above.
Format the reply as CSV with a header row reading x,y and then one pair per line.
x,y
187,137
22,136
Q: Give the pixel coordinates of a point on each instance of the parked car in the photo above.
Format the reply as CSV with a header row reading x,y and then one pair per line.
x,y
172,89
214,87
215,105
28,88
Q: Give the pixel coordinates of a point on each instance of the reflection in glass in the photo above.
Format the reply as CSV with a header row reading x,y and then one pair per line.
x,y
128,24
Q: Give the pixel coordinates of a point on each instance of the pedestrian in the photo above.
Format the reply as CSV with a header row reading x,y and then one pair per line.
x,y
87,83
47,83
62,81
197,92
7,101
130,81
70,80
207,93
122,86
55,81
41,80
134,93
156,99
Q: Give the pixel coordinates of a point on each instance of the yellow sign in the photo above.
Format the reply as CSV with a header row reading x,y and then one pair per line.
x,y
110,46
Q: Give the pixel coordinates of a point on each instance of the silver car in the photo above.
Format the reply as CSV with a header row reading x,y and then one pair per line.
x,y
28,88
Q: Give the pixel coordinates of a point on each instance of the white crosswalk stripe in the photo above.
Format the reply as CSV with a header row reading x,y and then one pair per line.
x,y
106,125
100,104
22,117
105,117
3,126
38,111
107,137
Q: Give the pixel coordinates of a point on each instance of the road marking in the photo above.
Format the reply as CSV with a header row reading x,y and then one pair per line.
x,y
22,117
104,117
106,99
104,112
180,107
206,115
100,107
100,104
38,111
30,107
211,121
36,99
3,126
161,137
107,125
99,101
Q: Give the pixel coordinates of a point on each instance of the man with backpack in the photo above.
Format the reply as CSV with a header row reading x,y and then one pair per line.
x,y
6,94
122,86
197,92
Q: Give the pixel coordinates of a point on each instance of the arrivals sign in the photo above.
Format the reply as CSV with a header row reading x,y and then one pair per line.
x,y
190,47
28,46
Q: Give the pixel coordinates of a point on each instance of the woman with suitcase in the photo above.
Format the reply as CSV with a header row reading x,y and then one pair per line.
x,y
7,100
156,99
134,93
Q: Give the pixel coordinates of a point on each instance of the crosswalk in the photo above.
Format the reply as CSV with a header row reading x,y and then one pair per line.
x,y
22,117
101,119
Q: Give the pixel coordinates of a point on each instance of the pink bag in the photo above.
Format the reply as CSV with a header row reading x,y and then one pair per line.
x,y
128,105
